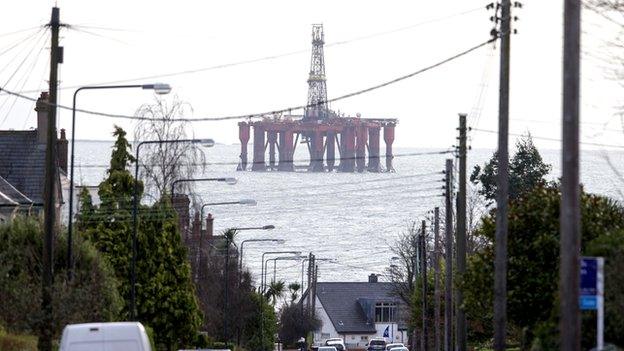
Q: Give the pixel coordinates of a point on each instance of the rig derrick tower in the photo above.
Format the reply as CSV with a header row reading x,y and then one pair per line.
x,y
317,82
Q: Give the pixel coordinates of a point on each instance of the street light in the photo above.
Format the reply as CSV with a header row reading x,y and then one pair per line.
x,y
277,241
159,88
135,204
228,240
281,258
262,290
227,180
201,220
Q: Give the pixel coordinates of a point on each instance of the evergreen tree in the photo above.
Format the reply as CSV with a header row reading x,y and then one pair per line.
x,y
526,171
165,299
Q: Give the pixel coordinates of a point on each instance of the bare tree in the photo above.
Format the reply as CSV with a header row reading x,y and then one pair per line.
x,y
402,272
163,163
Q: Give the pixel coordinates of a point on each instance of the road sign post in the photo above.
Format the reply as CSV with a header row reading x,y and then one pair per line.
x,y
592,293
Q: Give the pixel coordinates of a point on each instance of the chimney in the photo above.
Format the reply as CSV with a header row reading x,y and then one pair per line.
x,y
196,227
181,205
372,278
42,109
209,227
62,151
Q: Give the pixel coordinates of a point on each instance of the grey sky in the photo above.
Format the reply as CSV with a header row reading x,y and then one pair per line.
x,y
157,37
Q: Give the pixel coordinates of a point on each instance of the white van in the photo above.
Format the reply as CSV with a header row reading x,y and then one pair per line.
x,y
118,336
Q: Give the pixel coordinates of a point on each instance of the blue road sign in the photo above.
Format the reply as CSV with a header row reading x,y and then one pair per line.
x,y
589,276
589,302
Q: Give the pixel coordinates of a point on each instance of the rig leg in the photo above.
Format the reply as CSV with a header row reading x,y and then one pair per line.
x,y
331,150
347,156
373,150
286,151
360,148
258,156
243,135
389,139
272,135
316,154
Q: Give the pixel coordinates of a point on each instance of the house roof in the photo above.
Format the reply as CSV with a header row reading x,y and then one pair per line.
x,y
9,196
344,303
22,162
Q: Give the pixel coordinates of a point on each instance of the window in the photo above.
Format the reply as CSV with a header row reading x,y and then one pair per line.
x,y
385,312
325,336
364,338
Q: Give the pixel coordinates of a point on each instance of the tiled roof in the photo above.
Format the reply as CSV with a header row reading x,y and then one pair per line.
x,y
22,162
11,196
344,303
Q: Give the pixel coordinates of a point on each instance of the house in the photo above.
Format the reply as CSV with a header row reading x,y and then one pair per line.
x,y
201,243
359,311
22,166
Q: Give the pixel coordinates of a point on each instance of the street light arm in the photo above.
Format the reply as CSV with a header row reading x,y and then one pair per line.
x,y
228,180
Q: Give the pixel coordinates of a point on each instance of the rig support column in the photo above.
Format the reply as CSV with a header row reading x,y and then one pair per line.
x,y
243,135
258,156
316,154
373,150
331,150
286,151
272,136
360,148
389,139
347,156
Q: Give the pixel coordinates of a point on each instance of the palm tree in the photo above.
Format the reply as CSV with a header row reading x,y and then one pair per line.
x,y
275,291
294,288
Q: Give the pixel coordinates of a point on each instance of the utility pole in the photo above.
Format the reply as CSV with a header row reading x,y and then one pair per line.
x,y
50,189
423,265
448,258
461,235
500,261
225,287
570,217
436,278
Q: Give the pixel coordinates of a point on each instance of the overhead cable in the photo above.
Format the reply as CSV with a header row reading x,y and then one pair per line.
x,y
273,112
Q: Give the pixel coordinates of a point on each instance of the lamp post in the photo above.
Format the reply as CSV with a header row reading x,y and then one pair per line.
x,y
281,258
228,240
135,204
277,241
160,89
201,219
248,202
262,290
228,180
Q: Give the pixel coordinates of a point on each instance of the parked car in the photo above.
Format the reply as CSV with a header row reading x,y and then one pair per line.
x,y
393,345
127,336
327,348
400,348
334,339
376,344
337,343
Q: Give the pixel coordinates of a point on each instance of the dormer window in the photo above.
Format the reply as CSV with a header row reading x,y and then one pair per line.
x,y
385,312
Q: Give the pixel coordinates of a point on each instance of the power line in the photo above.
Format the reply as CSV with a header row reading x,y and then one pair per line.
x,y
550,139
260,59
20,31
26,76
203,164
274,112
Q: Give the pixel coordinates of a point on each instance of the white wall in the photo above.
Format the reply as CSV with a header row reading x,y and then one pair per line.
x,y
327,327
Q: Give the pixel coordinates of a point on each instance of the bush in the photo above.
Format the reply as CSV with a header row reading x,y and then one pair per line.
x,y
10,342
90,296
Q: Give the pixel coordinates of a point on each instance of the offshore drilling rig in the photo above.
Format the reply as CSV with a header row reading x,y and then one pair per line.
x,y
322,129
